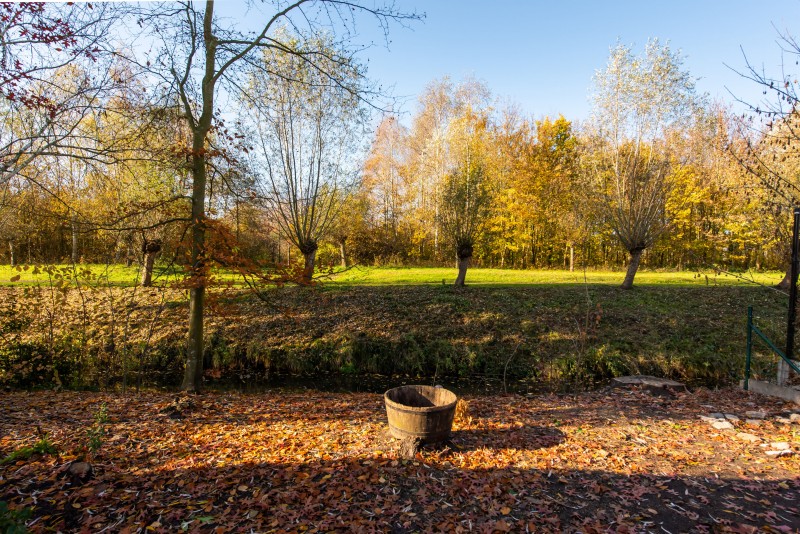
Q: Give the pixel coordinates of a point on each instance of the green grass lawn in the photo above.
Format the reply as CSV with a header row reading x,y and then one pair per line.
x,y
119,275
552,327
113,274
377,276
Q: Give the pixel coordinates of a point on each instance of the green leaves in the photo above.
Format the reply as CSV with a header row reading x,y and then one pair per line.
x,y
638,98
42,447
97,433
13,521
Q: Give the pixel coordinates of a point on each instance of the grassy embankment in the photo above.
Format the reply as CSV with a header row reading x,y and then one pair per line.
x,y
554,327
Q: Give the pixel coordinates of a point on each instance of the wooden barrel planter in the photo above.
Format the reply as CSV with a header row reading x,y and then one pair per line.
x,y
423,413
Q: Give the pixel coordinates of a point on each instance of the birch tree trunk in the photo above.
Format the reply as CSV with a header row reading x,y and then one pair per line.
x,y
343,253
75,256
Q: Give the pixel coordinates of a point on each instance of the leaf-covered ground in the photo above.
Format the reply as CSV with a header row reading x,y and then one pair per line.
x,y
608,461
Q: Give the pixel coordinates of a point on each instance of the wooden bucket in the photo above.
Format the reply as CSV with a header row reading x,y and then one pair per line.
x,y
423,412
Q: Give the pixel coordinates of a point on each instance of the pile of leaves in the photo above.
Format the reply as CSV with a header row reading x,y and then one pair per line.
x,y
620,460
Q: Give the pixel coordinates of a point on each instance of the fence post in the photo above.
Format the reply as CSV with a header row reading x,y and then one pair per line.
x,y
749,347
793,287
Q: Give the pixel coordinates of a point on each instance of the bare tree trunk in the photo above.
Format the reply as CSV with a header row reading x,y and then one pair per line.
x,y
343,253
464,255
571,258
786,283
74,225
309,258
633,266
193,373
147,269
127,243
463,264
12,253
150,249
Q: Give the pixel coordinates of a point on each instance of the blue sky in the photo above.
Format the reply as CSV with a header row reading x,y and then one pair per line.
x,y
542,54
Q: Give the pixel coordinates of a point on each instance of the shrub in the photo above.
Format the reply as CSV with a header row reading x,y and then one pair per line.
x,y
42,447
13,521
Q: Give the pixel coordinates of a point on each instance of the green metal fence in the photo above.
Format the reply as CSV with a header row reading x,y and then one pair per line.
x,y
752,328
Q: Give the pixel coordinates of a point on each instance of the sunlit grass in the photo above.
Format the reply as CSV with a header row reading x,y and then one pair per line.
x,y
120,275
377,276
101,275
112,274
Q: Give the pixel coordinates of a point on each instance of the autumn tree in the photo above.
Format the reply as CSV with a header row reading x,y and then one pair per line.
x,y
350,218
198,53
771,157
56,75
140,199
386,176
771,136
637,99
465,200
466,189
59,171
414,174
16,202
40,111
535,212
711,208
430,161
308,119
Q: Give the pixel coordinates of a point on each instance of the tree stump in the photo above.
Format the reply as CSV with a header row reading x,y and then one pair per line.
x,y
80,472
409,448
149,249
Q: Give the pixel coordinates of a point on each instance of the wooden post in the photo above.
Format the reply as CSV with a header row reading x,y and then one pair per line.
x,y
783,371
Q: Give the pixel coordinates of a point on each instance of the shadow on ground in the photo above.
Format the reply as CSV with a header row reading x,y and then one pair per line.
x,y
404,496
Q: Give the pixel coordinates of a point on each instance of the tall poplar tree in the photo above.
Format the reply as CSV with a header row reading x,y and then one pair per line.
x,y
637,99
